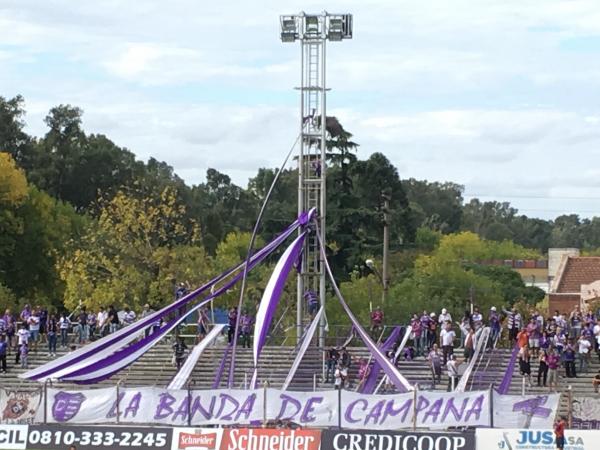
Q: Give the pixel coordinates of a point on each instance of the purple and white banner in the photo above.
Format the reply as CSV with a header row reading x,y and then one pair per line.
x,y
530,411
423,409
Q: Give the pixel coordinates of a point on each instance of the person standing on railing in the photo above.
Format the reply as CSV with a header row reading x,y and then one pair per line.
x,y
376,321
415,323
146,311
203,322
477,319
533,329
179,351
312,302
525,363
464,326
523,338
363,372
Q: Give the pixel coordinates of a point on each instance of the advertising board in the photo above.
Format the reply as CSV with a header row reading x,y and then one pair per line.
x,y
531,439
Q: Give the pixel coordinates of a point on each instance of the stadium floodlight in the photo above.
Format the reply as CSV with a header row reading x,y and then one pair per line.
x,y
335,31
289,29
311,24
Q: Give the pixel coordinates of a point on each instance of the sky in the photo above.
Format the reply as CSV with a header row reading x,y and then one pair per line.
x,y
502,97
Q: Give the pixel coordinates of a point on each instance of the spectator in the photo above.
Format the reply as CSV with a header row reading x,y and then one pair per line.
x,y
552,360
64,324
91,323
181,291
363,372
376,321
575,321
332,360
584,347
477,319
345,358
431,331
464,326
435,359
203,321
43,315
469,347
113,319
533,330
494,322
447,336
425,319
9,320
596,333
3,353
24,352
542,368
145,313
22,339
34,327
25,314
444,317
560,340
569,361
514,323
525,363
52,328
245,328
179,352
102,322
453,376
82,328
559,433
128,316
341,376
595,381
232,317
312,302
415,323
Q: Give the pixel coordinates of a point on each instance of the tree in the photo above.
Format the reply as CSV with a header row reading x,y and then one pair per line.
x,y
133,253
12,137
435,205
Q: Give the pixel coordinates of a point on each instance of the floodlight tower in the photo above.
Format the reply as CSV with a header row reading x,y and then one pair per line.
x,y
313,31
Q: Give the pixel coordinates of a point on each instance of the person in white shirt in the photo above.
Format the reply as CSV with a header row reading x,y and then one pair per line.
x,y
22,339
447,336
128,316
453,377
34,328
444,317
341,377
102,321
64,324
584,353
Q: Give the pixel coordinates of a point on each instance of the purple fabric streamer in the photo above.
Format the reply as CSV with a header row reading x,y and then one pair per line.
x,y
369,386
510,370
401,383
221,368
123,354
144,323
272,294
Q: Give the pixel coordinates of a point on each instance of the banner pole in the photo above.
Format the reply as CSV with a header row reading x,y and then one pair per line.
x,y
340,406
45,401
118,401
415,406
491,394
189,405
570,397
264,404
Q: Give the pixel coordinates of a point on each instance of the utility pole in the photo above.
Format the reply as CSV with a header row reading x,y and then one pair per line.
x,y
386,244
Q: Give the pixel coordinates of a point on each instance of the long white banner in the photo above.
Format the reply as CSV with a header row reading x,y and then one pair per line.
x,y
421,409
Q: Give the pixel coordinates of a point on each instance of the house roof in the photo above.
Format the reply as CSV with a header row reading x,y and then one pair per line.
x,y
577,271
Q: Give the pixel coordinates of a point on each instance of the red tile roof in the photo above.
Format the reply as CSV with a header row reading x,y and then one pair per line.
x,y
578,271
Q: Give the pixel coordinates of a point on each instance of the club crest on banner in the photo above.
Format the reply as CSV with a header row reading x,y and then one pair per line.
x,y
66,405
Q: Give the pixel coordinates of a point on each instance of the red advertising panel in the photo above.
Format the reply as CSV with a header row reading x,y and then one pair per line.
x,y
270,439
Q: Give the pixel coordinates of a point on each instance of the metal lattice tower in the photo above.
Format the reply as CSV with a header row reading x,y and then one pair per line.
x,y
313,31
